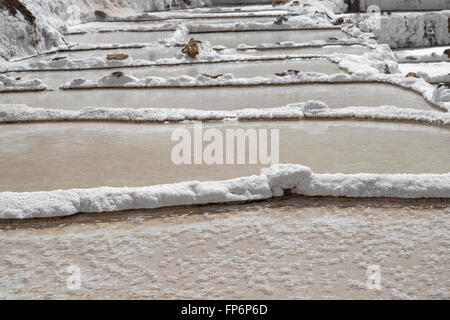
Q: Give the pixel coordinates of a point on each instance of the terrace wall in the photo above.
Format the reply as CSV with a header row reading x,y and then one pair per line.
x,y
399,5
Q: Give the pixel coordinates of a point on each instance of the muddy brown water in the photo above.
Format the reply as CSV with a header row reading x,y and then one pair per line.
x,y
50,156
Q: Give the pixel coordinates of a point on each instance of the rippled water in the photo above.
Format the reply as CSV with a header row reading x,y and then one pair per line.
x,y
288,250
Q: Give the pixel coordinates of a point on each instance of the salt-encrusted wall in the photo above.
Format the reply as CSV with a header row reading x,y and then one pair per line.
x,y
19,37
400,5
414,29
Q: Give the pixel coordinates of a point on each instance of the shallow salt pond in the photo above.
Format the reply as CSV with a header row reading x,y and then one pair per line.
x,y
153,53
241,70
432,69
228,39
224,98
283,250
118,37
48,156
233,39
311,50
168,24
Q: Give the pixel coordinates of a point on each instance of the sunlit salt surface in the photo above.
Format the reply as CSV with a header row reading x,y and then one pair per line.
x,y
239,69
432,69
118,37
284,250
233,39
51,156
224,98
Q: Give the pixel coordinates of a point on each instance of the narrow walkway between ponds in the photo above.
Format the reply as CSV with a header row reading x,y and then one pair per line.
x,y
239,69
48,156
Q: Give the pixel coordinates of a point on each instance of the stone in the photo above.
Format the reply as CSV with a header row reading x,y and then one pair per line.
x,y
117,56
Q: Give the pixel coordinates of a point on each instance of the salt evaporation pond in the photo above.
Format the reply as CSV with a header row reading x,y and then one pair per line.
x,y
48,156
240,70
224,98
233,39
118,37
307,50
228,39
260,251
153,53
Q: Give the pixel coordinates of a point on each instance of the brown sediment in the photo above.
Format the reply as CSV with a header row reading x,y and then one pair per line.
x,y
298,201
412,74
212,76
339,21
447,51
100,14
191,49
117,56
279,2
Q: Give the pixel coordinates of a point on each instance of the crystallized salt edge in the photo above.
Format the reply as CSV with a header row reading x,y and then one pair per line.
x,y
277,179
296,111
